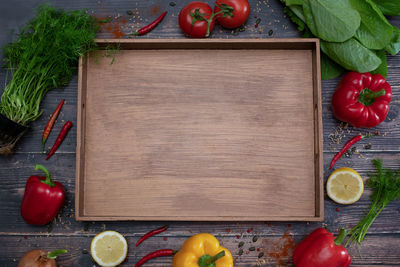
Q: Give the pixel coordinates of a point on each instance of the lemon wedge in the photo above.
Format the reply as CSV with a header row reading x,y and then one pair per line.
x,y
109,248
345,186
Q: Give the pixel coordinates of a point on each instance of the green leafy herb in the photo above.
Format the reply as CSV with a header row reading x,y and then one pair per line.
x,y
352,55
364,51
111,50
394,47
383,68
295,14
293,2
375,31
107,20
42,58
333,21
389,7
385,184
329,69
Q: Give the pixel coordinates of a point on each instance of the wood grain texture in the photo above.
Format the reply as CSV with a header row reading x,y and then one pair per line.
x,y
162,134
382,252
381,247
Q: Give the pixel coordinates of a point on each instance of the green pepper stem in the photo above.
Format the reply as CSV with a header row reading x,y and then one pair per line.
x,y
217,257
342,235
367,96
48,180
53,255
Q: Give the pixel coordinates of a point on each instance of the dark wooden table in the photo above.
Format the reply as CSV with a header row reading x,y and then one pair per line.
x,y
382,244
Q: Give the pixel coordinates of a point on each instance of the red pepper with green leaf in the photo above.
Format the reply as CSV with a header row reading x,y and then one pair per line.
x,y
362,99
43,198
322,249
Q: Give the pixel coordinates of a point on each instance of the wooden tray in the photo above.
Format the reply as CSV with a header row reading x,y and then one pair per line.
x,y
202,130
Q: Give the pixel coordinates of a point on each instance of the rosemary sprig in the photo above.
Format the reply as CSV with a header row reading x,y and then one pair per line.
x,y
386,188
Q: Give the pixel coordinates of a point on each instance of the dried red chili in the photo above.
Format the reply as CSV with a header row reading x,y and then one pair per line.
x,y
346,146
60,138
155,254
151,26
151,233
50,123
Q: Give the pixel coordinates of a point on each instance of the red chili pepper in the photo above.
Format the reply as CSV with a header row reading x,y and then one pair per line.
x,y
60,138
155,254
43,198
321,248
151,26
346,146
151,233
50,123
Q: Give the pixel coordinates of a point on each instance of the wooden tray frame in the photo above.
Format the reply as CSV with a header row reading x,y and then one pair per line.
x,y
127,44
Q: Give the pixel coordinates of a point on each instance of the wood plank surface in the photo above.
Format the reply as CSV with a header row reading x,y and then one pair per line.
x,y
382,244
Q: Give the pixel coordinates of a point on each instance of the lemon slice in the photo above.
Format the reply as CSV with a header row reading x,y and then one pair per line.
x,y
108,248
345,186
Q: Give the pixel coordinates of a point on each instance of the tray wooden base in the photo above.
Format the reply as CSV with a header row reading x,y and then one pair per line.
x,y
201,130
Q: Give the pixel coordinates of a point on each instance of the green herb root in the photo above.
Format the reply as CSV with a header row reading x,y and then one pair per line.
x,y
42,58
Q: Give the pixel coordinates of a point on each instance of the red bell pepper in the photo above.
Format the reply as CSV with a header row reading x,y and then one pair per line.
x,y
362,99
43,198
321,249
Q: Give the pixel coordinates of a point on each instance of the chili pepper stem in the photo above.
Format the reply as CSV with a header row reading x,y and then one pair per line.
x,y
48,180
43,143
340,238
53,255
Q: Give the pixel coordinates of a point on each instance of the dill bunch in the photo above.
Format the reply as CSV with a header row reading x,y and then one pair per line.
x,y
386,188
42,58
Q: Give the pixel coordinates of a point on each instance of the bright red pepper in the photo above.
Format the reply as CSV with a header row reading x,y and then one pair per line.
x,y
362,99
43,198
321,249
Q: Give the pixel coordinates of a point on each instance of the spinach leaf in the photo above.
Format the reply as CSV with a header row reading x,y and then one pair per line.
x,y
334,21
351,55
382,69
296,16
293,2
389,7
394,47
375,31
329,69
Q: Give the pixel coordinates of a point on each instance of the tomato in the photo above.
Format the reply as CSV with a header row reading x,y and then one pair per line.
x,y
233,18
194,19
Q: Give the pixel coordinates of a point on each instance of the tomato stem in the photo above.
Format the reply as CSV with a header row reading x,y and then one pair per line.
x,y
197,16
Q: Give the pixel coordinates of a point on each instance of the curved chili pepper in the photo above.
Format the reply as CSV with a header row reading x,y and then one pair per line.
x,y
155,254
50,123
151,26
151,233
346,146
60,138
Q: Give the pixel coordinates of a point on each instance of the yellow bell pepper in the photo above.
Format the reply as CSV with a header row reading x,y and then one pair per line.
x,y
202,250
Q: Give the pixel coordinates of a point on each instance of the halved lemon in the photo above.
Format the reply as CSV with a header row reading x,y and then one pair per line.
x,y
345,186
109,248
